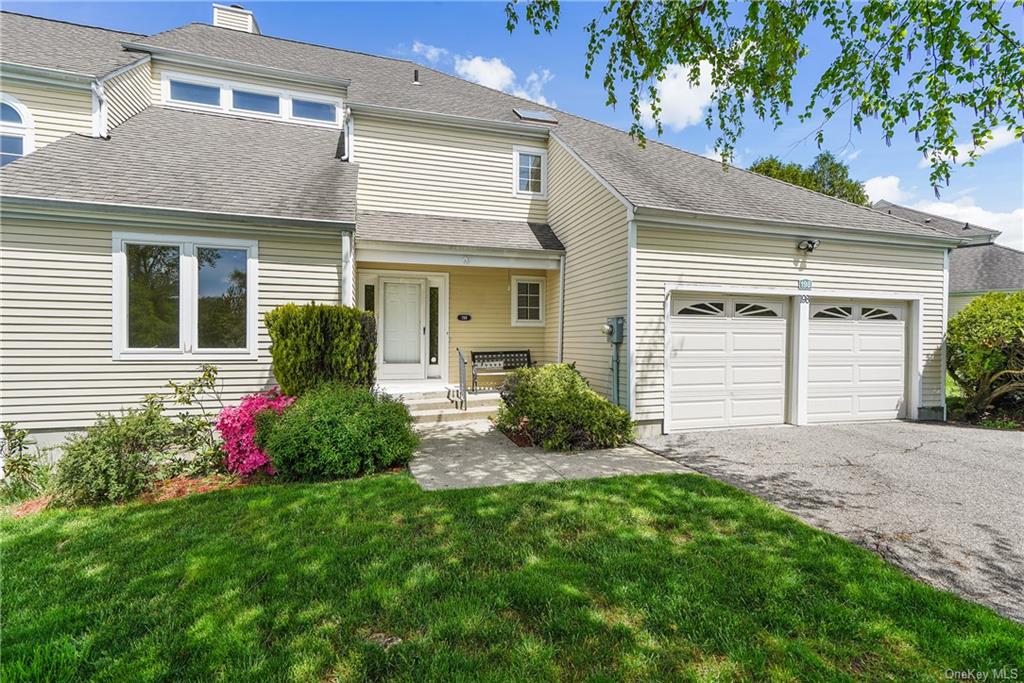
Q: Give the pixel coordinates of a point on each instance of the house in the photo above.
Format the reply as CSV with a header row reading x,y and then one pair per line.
x,y
978,266
163,192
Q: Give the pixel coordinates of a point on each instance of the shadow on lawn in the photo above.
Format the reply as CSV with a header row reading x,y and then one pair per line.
x,y
641,577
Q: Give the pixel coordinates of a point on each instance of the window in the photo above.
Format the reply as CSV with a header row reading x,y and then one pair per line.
x,y
747,310
180,297
530,169
182,91
872,313
314,111
527,301
712,308
369,297
254,101
834,313
260,101
17,136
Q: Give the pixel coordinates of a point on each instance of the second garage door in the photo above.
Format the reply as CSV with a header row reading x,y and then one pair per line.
x,y
856,364
727,362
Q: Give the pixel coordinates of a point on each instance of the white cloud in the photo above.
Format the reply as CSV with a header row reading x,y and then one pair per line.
x,y
431,53
712,153
1011,223
682,104
852,156
885,187
1001,137
494,73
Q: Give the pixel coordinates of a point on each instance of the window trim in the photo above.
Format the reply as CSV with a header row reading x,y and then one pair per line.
x,y
517,151
516,322
188,330
26,130
226,106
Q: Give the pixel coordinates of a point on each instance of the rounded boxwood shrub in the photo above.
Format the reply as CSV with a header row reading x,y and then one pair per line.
x,y
337,431
316,344
985,349
553,406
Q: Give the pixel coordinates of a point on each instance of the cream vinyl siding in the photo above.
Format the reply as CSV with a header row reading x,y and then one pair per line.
x,y
127,94
159,66
591,223
486,294
719,258
57,112
55,301
416,167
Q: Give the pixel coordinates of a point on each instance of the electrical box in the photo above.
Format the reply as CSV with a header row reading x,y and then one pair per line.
x,y
615,329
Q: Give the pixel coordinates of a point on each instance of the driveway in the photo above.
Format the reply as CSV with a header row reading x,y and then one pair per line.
x,y
946,504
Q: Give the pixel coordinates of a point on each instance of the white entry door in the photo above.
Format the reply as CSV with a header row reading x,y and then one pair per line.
x,y
856,361
403,330
727,361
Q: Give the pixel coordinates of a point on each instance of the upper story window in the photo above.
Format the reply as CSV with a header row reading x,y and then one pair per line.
x,y
250,100
17,134
530,169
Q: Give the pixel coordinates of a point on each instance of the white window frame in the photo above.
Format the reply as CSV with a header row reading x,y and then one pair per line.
x,y
26,130
226,105
188,314
516,322
517,151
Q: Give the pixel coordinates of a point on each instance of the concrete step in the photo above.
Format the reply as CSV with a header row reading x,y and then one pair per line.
x,y
442,402
433,416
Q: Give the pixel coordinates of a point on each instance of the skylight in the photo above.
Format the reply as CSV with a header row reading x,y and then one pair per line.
x,y
534,115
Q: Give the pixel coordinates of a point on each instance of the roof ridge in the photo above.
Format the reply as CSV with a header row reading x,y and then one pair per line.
x,y
72,23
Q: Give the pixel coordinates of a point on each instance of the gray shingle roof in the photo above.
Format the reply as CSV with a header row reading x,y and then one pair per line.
x,y
658,176
444,230
199,162
983,267
60,45
946,225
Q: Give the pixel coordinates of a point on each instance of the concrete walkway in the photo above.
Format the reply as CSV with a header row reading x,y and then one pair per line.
x,y
474,454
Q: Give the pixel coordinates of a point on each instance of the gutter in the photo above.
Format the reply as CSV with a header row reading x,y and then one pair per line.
x,y
40,74
402,114
13,203
192,59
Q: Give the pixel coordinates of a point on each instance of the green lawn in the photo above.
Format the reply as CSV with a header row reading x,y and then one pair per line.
x,y
661,577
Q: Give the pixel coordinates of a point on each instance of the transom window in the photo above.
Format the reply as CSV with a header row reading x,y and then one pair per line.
x,y
527,301
17,136
250,100
183,297
530,170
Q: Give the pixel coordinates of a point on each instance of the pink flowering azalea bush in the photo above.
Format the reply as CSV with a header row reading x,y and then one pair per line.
x,y
237,426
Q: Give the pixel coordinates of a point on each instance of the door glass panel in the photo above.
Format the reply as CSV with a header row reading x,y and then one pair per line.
x,y
402,335
154,281
369,291
222,298
434,327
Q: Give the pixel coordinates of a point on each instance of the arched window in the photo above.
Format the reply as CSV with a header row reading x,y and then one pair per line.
x,y
17,134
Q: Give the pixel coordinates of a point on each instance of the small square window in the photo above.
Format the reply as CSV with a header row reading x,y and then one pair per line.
x,y
527,301
11,147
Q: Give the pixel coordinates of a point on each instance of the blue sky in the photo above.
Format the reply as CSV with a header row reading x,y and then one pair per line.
x,y
470,39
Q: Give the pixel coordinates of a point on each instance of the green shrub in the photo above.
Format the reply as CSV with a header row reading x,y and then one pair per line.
x,y
337,431
26,473
117,458
317,344
554,407
985,349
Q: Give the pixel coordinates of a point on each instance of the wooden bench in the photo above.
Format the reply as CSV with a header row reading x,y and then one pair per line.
x,y
497,363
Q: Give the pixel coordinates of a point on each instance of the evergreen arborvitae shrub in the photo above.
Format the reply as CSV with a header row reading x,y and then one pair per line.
x,y
314,344
554,407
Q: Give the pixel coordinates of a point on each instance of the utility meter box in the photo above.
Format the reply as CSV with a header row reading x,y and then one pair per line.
x,y
615,329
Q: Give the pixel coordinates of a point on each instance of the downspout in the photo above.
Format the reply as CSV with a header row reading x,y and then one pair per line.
x,y
561,305
99,110
346,130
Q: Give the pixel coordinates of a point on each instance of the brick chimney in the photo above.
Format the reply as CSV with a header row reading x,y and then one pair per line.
x,y
234,17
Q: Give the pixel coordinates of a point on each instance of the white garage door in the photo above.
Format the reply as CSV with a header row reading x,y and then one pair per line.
x,y
727,362
856,361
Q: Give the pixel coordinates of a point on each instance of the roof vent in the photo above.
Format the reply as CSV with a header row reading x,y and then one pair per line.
x,y
234,17
416,77
535,115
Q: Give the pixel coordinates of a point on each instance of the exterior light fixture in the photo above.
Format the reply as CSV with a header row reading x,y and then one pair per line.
x,y
808,245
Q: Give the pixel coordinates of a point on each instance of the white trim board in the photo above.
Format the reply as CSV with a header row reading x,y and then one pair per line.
x,y
386,252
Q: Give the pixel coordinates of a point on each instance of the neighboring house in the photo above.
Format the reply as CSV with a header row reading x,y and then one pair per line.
x,y
978,266
206,174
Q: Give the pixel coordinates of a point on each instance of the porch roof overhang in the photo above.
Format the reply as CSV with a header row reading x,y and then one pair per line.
x,y
408,253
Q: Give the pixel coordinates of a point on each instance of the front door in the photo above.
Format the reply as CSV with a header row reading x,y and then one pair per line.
x,y
403,329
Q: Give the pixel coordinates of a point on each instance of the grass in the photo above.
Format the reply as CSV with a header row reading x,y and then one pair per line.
x,y
632,578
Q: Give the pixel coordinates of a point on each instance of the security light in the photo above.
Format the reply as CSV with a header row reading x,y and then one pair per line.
x,y
808,245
